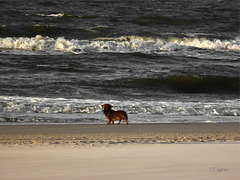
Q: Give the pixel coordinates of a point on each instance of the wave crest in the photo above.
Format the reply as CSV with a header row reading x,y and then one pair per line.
x,y
123,44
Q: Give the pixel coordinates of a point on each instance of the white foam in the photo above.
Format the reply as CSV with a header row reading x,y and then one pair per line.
x,y
173,43
52,15
210,121
124,44
61,105
56,15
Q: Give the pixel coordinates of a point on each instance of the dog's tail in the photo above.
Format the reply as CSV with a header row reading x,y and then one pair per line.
x,y
125,117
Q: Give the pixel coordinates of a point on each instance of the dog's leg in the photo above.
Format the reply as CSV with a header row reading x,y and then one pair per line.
x,y
119,121
109,120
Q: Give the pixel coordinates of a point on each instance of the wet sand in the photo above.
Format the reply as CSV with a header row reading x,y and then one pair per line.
x,y
98,135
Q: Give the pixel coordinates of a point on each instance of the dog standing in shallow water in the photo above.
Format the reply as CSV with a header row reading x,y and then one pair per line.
x,y
114,115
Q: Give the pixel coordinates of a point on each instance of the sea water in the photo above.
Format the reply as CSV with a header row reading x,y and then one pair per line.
x,y
160,61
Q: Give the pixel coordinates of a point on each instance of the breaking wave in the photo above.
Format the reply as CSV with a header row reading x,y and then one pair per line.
x,y
17,104
124,44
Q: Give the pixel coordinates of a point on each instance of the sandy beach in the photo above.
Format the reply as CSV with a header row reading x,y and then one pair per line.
x,y
98,135
137,151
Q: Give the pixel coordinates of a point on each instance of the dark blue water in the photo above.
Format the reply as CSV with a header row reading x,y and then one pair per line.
x,y
161,61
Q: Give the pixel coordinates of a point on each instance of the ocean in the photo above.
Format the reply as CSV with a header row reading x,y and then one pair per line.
x,y
161,61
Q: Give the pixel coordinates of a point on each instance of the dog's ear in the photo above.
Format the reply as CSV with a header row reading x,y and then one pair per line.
x,y
106,106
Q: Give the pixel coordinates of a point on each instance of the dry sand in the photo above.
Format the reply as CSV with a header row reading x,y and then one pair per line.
x,y
142,162
137,151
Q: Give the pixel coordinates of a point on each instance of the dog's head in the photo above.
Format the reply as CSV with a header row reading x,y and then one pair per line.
x,y
106,107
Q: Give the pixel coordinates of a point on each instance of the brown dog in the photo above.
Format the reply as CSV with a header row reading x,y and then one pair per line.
x,y
114,115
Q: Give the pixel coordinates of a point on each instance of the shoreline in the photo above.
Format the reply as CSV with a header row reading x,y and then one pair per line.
x,y
79,135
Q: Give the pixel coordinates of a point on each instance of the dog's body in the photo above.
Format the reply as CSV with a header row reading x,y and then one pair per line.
x,y
114,115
